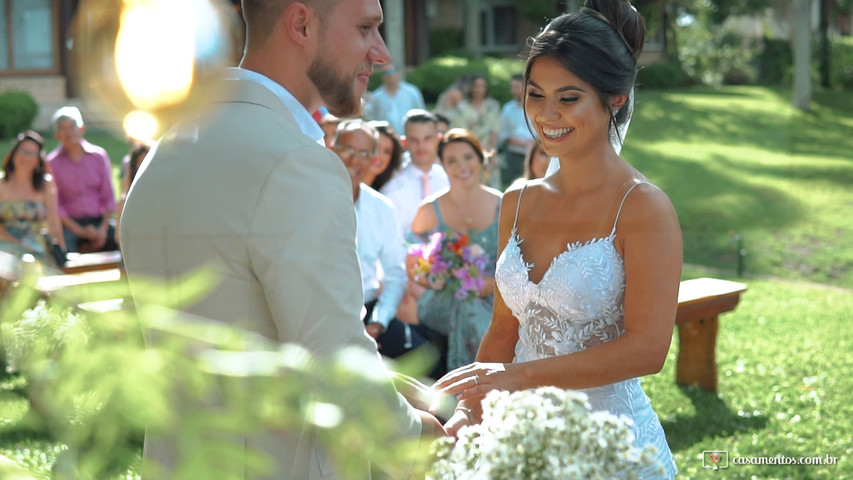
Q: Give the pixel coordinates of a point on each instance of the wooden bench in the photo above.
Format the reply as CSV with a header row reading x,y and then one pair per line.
x,y
700,302
87,262
54,283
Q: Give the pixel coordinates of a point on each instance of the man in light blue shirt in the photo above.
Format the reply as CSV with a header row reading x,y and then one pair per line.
x,y
515,137
393,99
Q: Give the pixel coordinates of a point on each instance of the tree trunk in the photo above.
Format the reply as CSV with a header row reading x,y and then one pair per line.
x,y
802,54
823,36
473,10
395,33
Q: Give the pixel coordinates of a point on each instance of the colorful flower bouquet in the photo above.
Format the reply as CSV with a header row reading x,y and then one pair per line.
x,y
449,260
546,433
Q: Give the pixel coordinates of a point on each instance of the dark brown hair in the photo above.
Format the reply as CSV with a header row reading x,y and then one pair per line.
x,y
385,129
528,160
461,135
9,161
600,44
137,155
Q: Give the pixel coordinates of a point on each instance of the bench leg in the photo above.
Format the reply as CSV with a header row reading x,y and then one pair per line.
x,y
697,362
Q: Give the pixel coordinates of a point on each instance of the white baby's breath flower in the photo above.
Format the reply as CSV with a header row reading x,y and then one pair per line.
x,y
546,433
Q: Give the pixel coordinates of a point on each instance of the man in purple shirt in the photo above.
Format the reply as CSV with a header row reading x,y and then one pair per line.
x,y
83,178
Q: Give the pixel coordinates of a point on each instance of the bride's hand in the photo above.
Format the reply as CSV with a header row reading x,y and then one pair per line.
x,y
458,420
478,379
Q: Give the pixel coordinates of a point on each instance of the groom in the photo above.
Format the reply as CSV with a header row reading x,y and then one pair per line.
x,y
250,190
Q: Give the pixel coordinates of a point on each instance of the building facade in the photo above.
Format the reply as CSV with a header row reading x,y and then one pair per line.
x,y
36,42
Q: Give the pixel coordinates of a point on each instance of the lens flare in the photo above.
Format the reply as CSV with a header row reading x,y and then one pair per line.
x,y
148,63
140,124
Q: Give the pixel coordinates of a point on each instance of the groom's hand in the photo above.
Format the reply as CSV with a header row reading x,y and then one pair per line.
x,y
416,393
432,428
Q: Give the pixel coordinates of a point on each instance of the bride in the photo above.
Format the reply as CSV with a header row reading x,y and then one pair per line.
x,y
591,262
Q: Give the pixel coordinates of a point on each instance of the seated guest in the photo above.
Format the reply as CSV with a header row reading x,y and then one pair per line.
x,y
393,99
379,245
536,163
480,114
467,208
388,159
28,202
421,175
516,135
84,183
442,123
329,123
137,154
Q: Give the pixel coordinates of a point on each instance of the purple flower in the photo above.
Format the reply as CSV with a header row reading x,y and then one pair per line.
x,y
481,262
417,250
440,265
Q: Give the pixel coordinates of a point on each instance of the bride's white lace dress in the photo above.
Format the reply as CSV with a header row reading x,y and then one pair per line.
x,y
577,305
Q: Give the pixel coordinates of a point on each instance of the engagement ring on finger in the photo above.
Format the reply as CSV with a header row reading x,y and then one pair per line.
x,y
477,380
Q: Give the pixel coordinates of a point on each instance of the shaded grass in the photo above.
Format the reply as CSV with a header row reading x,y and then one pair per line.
x,y
741,160
785,377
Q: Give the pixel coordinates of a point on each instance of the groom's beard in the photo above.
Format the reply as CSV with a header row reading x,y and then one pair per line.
x,y
334,87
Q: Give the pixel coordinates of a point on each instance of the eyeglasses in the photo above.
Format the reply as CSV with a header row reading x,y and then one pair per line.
x,y
347,151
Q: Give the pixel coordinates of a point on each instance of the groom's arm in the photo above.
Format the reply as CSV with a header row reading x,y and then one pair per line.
x,y
302,249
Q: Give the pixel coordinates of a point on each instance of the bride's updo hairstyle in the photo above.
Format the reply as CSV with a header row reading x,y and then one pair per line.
x,y
601,45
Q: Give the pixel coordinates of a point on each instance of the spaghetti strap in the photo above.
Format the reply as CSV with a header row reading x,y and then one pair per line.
x,y
613,232
518,207
438,214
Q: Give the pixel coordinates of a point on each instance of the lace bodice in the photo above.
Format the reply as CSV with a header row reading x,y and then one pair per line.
x,y
578,304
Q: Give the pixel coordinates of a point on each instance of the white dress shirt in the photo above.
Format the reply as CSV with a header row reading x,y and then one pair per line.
x,y
406,192
381,254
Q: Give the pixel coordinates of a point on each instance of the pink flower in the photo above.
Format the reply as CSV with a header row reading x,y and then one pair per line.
x,y
449,261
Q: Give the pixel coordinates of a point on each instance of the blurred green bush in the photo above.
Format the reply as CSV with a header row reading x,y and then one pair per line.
x,y
17,112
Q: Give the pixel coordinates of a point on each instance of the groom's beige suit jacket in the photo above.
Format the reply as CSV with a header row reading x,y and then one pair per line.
x,y
240,189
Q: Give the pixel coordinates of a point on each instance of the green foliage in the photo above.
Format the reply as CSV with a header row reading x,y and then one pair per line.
x,y
775,62
662,75
446,41
93,386
841,63
17,112
435,75
715,12
541,11
715,56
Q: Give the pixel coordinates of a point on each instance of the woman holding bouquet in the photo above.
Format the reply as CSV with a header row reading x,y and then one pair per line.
x,y
589,273
467,211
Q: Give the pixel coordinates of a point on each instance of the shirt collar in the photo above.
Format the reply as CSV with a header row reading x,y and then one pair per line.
x,y
307,125
414,171
86,146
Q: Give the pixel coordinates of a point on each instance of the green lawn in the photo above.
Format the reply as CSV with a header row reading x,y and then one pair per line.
x,y
736,160
785,377
742,161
